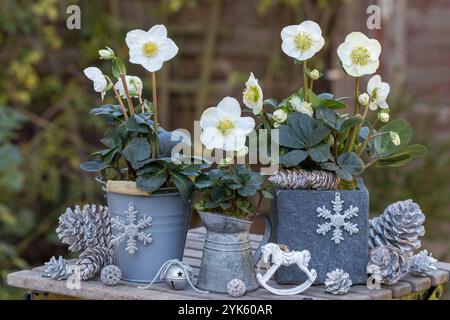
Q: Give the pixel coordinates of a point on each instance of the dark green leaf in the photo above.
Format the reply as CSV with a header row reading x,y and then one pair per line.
x,y
318,135
183,184
320,153
118,68
351,163
151,182
266,194
137,152
202,181
354,121
93,166
288,138
333,104
293,158
383,143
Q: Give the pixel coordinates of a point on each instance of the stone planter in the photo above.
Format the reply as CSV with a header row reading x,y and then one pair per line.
x,y
308,219
227,254
162,238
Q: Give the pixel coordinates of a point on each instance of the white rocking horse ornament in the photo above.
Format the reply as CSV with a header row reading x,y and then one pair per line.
x,y
279,258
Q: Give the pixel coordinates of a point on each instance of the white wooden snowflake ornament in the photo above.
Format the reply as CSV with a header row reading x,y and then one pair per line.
x,y
130,230
337,219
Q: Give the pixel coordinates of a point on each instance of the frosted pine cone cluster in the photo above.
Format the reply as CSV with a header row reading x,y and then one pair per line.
x,y
389,264
422,264
85,228
111,275
338,282
89,231
303,179
92,260
58,269
400,225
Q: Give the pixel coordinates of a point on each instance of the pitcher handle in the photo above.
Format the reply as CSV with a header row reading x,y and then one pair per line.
x,y
265,238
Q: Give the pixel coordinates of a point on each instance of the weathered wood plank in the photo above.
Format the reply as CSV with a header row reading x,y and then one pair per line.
x,y
443,266
374,294
417,283
399,289
438,277
320,292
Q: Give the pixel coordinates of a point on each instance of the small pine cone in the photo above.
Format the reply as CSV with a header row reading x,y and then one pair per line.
x,y
400,225
236,288
303,179
92,260
389,264
111,275
85,228
338,282
422,264
57,269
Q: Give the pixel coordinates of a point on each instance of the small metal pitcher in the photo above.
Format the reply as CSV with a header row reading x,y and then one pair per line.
x,y
227,254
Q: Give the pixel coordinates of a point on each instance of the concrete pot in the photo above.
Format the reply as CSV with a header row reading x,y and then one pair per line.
x,y
227,254
296,223
169,225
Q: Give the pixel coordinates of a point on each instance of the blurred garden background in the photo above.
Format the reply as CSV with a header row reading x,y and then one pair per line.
x,y
46,129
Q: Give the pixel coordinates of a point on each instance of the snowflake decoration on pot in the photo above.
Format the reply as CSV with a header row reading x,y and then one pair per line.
x,y
130,230
337,220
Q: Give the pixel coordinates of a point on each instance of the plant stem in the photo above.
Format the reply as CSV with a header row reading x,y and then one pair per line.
x,y
142,106
311,85
336,151
155,116
127,93
369,137
122,106
305,81
354,130
370,163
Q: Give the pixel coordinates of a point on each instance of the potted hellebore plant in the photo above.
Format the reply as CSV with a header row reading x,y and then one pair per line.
x,y
224,206
148,190
322,204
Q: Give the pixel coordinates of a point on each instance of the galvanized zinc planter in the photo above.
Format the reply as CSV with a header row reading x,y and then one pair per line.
x,y
148,230
227,254
331,224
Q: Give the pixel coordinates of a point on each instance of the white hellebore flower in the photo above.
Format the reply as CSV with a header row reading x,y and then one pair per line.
x,y
359,54
395,138
134,87
98,78
151,48
302,41
106,54
364,99
279,116
383,116
302,106
253,95
223,127
378,91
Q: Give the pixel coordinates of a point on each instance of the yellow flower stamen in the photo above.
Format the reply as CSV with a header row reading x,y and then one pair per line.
x,y
303,41
225,126
251,93
360,56
150,49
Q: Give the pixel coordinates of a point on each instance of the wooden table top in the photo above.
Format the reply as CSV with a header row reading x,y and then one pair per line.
x,y
410,287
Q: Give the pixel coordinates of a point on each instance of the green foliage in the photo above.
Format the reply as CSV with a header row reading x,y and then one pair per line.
x,y
227,190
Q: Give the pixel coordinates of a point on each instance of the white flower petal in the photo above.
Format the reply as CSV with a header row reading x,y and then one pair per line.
x,y
289,49
371,67
375,49
209,118
168,49
383,91
92,73
257,109
357,37
311,26
234,142
384,105
289,32
158,31
245,125
373,83
135,38
152,64
212,138
229,108
373,106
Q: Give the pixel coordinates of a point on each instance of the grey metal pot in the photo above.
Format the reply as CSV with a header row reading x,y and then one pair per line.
x,y
169,223
227,254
